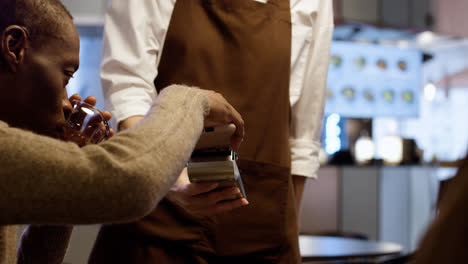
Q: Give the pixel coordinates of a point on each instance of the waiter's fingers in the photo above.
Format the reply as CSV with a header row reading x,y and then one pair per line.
x,y
214,197
194,189
230,205
215,202
221,207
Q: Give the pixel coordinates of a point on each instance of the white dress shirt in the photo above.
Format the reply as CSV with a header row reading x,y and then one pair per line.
x,y
134,35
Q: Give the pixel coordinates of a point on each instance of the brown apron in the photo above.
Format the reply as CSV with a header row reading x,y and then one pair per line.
x,y
242,49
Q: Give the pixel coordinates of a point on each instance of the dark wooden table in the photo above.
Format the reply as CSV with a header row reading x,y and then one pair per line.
x,y
322,248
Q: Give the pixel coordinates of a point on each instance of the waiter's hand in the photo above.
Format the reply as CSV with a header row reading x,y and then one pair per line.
x,y
221,113
201,199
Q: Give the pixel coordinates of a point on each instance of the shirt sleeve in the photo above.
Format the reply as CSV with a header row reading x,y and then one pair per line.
x,y
134,34
312,26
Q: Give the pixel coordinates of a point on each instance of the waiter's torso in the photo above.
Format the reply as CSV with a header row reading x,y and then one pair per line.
x,y
241,49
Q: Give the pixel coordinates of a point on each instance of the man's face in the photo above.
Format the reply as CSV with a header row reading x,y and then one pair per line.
x,y
47,68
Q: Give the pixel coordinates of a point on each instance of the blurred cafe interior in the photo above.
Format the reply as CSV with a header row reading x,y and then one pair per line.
x,y
395,116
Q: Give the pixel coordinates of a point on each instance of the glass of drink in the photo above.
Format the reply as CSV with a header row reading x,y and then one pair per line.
x,y
85,125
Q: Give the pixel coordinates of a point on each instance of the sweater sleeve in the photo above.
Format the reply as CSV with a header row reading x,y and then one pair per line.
x,y
46,181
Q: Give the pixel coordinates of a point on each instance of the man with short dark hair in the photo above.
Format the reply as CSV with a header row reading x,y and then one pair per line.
x,y
42,18
44,29
46,181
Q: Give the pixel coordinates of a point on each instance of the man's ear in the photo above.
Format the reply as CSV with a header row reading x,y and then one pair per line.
x,y
13,45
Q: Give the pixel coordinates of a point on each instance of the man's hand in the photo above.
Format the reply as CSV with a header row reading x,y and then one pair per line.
x,y
221,113
92,101
201,199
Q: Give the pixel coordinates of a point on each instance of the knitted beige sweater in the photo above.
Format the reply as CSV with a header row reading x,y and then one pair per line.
x,y
46,181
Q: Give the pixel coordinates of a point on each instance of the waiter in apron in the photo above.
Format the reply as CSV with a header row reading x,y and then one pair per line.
x,y
271,66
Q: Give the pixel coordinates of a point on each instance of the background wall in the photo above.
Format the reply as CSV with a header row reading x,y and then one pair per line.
x,y
86,81
362,10
87,12
451,17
